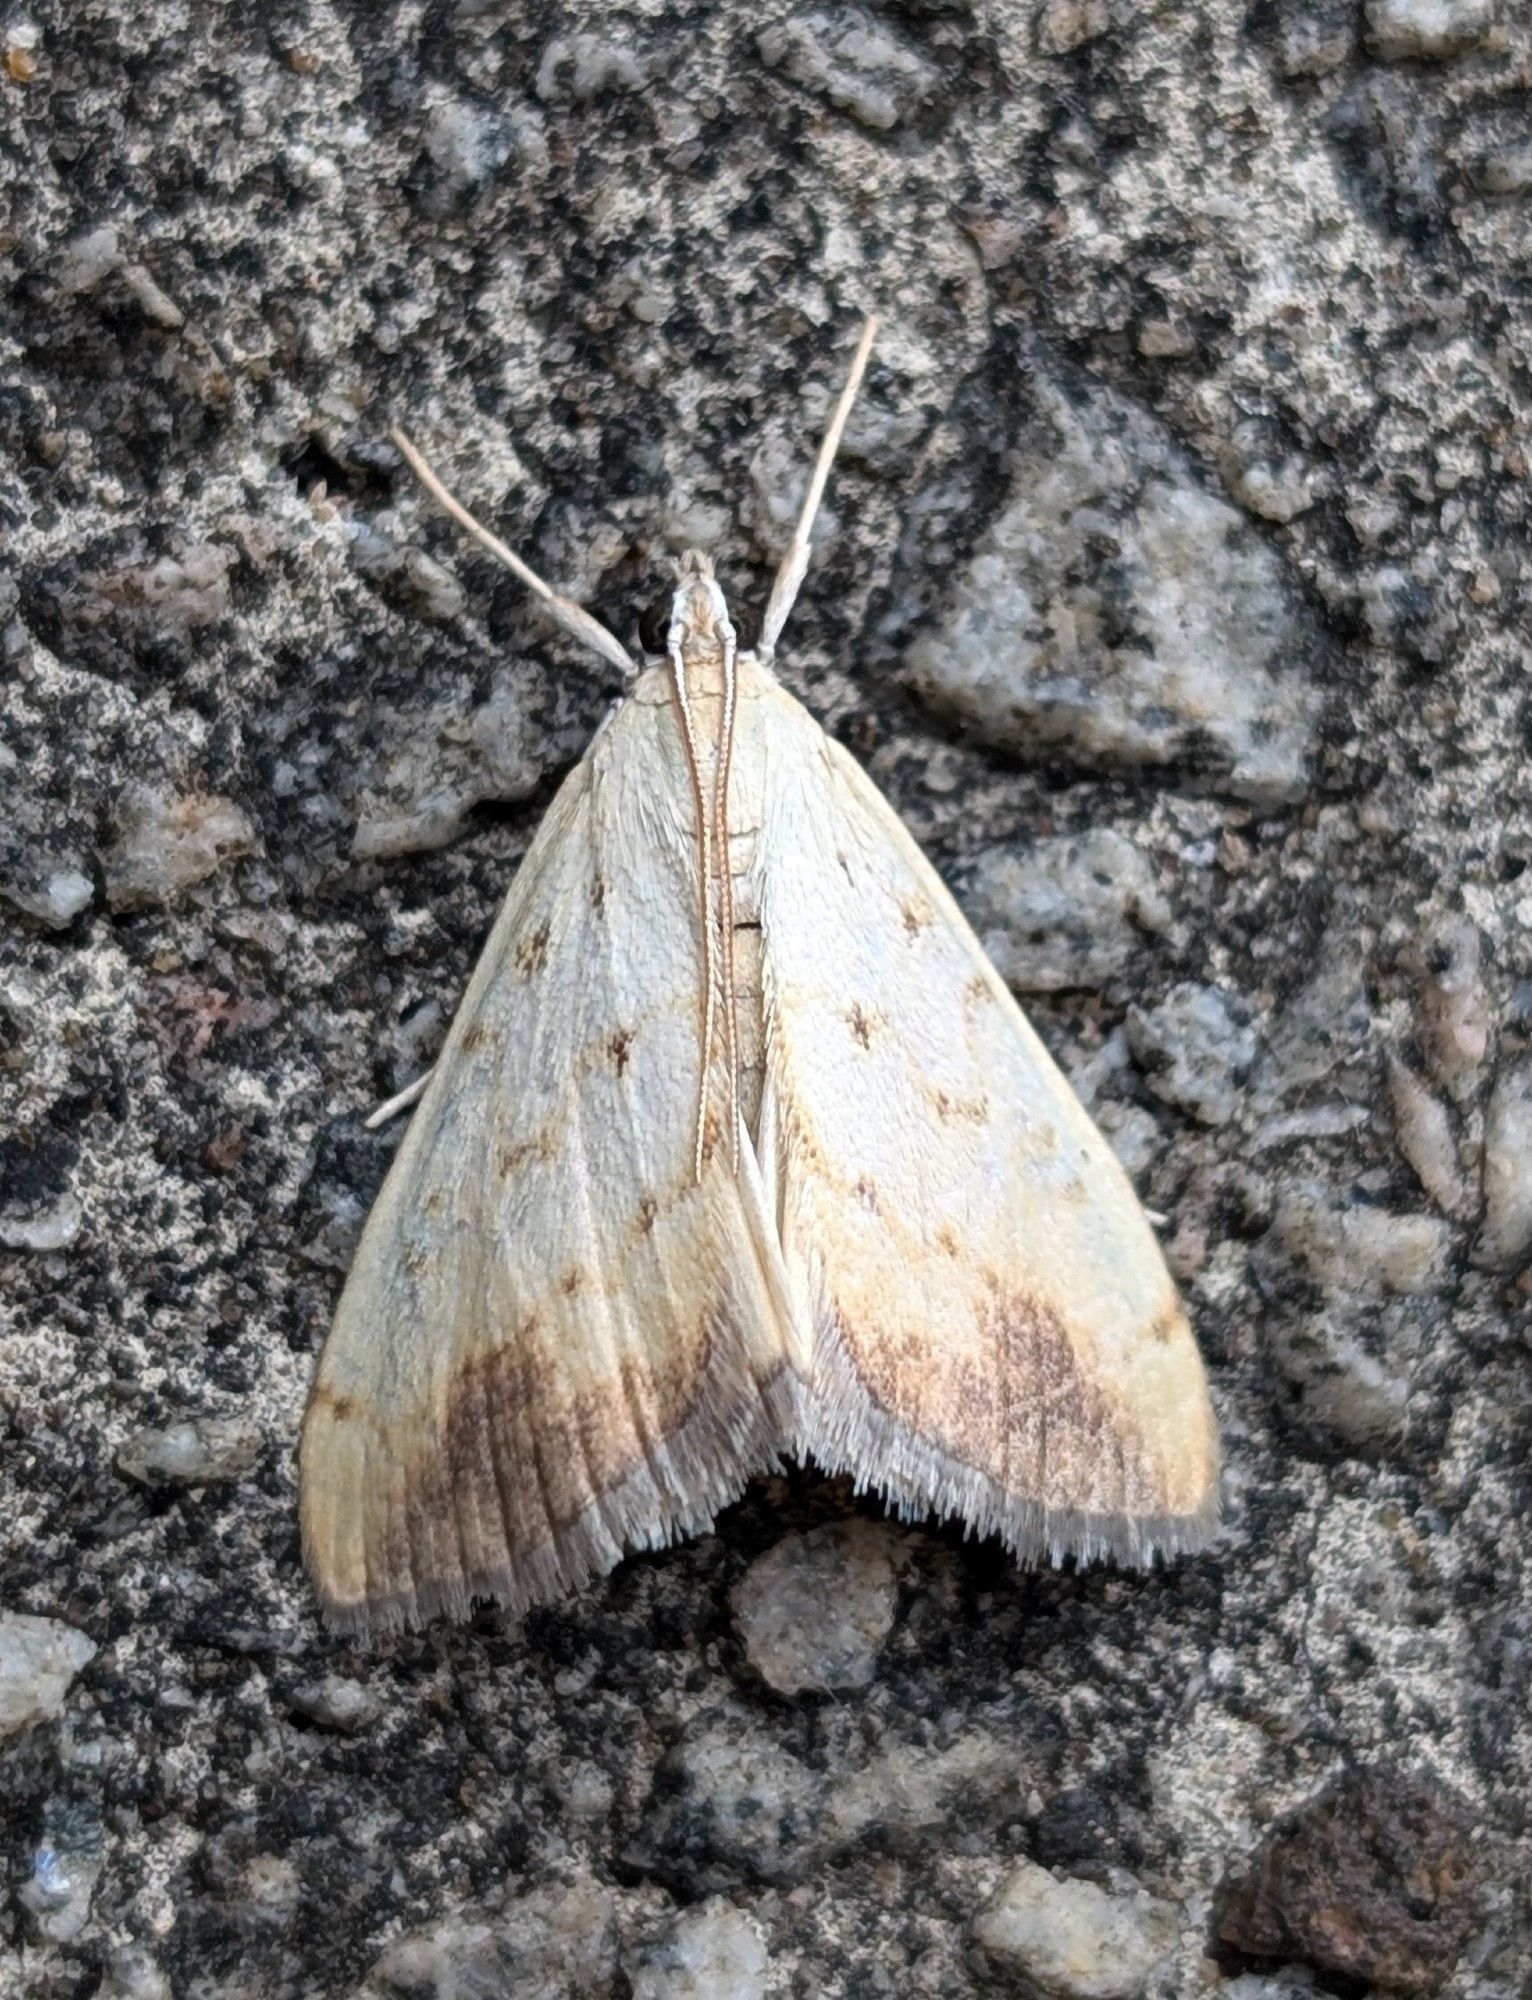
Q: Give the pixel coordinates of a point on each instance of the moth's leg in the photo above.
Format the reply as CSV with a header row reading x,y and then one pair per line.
x,y
574,618
400,1101
794,565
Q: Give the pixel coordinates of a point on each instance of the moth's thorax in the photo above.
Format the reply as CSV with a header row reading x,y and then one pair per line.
x,y
701,630
704,669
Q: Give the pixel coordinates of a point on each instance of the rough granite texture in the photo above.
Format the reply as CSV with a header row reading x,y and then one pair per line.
x,y
1180,551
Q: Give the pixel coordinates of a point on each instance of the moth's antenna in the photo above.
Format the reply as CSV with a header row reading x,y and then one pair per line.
x,y
789,577
574,618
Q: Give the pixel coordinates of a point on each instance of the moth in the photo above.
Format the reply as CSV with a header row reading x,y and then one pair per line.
x,y
738,1147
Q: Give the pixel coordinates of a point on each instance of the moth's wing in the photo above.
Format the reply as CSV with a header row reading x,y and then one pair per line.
x,y
995,1335
554,1344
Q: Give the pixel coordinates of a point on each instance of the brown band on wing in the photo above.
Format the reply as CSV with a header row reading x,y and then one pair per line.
x,y
852,1424
1039,1423
514,1450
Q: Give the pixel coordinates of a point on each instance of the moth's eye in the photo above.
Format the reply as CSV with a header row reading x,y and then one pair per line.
x,y
747,631
654,626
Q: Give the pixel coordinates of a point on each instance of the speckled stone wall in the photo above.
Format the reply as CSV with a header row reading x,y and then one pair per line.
x,y
1174,585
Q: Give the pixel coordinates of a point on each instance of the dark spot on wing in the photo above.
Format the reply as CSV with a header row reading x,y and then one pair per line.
x,y
648,1209
1168,1325
527,1153
917,917
712,1134
598,894
618,1044
960,1110
867,1194
532,950
859,1024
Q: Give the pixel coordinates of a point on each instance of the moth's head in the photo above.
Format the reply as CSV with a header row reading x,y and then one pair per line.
x,y
693,616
